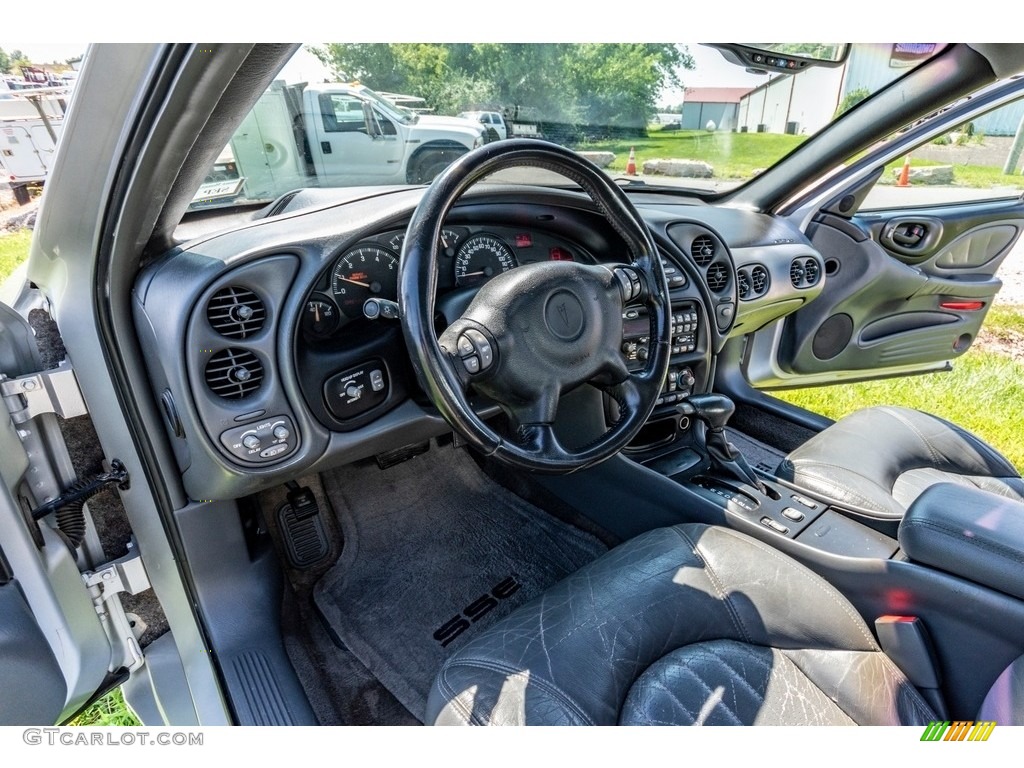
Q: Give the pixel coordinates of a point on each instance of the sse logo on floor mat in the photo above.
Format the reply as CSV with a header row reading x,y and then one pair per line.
x,y
476,610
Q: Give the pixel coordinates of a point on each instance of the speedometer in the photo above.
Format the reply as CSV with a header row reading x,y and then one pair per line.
x,y
480,258
366,271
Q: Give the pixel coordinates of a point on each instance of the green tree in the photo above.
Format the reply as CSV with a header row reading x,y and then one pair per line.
x,y
5,62
604,84
19,59
852,99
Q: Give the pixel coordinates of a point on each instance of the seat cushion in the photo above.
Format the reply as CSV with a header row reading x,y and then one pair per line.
x,y
603,635
878,460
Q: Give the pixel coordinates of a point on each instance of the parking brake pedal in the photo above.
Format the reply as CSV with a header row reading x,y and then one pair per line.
x,y
302,529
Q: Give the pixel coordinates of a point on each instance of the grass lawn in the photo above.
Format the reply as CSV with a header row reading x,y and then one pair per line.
x,y
978,176
732,155
13,250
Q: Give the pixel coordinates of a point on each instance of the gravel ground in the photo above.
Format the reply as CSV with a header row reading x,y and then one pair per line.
x,y
1012,274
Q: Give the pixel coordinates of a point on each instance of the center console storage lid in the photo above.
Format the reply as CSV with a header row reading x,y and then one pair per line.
x,y
968,532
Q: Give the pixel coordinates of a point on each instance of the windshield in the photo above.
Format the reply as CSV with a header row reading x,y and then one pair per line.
x,y
672,115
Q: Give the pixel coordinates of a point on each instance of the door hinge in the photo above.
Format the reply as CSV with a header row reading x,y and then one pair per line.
x,y
52,391
124,575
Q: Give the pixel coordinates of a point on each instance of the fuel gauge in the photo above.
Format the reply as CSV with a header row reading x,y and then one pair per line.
x,y
320,317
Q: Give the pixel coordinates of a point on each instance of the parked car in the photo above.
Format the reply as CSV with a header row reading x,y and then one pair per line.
x,y
456,452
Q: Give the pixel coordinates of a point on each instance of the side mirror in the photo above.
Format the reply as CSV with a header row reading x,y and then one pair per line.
x,y
790,58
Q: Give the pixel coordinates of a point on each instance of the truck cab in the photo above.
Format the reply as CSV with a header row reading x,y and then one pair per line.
x,y
355,136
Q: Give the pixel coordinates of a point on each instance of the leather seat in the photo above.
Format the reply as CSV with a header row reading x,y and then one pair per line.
x,y
878,460
681,625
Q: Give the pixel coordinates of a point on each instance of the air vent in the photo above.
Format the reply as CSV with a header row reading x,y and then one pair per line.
x,y
743,284
718,277
236,313
752,282
811,272
804,273
758,280
703,250
234,373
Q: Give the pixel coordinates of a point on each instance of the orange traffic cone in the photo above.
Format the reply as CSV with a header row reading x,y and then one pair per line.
x,y
904,180
631,163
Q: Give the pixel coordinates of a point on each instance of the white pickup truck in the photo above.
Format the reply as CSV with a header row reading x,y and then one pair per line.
x,y
334,134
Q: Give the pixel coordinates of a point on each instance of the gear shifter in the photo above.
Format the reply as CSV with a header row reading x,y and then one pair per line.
x,y
714,411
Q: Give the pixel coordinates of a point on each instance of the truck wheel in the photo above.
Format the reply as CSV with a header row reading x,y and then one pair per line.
x,y
425,167
490,135
22,194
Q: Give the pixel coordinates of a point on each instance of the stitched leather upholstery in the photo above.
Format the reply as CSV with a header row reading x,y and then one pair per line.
x,y
880,459
663,629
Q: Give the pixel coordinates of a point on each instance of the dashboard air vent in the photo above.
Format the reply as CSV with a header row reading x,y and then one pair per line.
x,y
703,250
234,373
235,312
752,282
718,277
811,272
804,273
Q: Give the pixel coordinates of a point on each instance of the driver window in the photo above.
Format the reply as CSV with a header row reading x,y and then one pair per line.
x,y
342,114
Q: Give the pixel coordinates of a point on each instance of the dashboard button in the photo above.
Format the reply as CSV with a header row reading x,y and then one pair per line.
x,y
274,450
472,364
281,432
376,380
465,345
251,442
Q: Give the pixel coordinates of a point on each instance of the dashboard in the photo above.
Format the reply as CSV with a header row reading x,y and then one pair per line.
x,y
266,366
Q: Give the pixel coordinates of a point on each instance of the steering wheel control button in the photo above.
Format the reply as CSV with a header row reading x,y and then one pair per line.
x,y
775,525
472,364
465,345
357,390
259,442
793,514
480,346
563,314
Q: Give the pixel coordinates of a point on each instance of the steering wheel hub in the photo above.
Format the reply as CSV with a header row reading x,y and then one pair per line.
x,y
564,315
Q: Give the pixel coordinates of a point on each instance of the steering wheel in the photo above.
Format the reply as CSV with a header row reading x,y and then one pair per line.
x,y
537,331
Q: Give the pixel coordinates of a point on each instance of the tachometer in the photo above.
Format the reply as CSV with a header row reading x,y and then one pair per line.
x,y
366,271
480,258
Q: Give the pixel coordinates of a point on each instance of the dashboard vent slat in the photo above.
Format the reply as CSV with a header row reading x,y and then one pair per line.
x,y
236,313
718,277
804,273
743,284
702,250
234,374
752,282
811,272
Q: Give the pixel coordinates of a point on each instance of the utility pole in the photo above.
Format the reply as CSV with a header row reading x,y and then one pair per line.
x,y
1015,149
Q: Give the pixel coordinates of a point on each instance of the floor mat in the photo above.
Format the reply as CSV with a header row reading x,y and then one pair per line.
x,y
435,551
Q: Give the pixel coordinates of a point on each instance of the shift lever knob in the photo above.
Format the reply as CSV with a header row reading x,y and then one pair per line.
x,y
713,409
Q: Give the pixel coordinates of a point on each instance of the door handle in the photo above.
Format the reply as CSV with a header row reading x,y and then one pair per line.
x,y
911,237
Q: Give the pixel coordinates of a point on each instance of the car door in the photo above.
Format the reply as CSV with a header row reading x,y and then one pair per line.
x,y
911,259
56,621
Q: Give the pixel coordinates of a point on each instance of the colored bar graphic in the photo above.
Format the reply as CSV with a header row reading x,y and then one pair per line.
x,y
959,730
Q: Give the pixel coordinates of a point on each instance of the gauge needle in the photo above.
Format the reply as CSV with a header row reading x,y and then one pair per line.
x,y
316,312
354,282
488,272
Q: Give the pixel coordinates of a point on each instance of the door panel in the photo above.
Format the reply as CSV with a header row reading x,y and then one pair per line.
x,y
906,291
54,652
